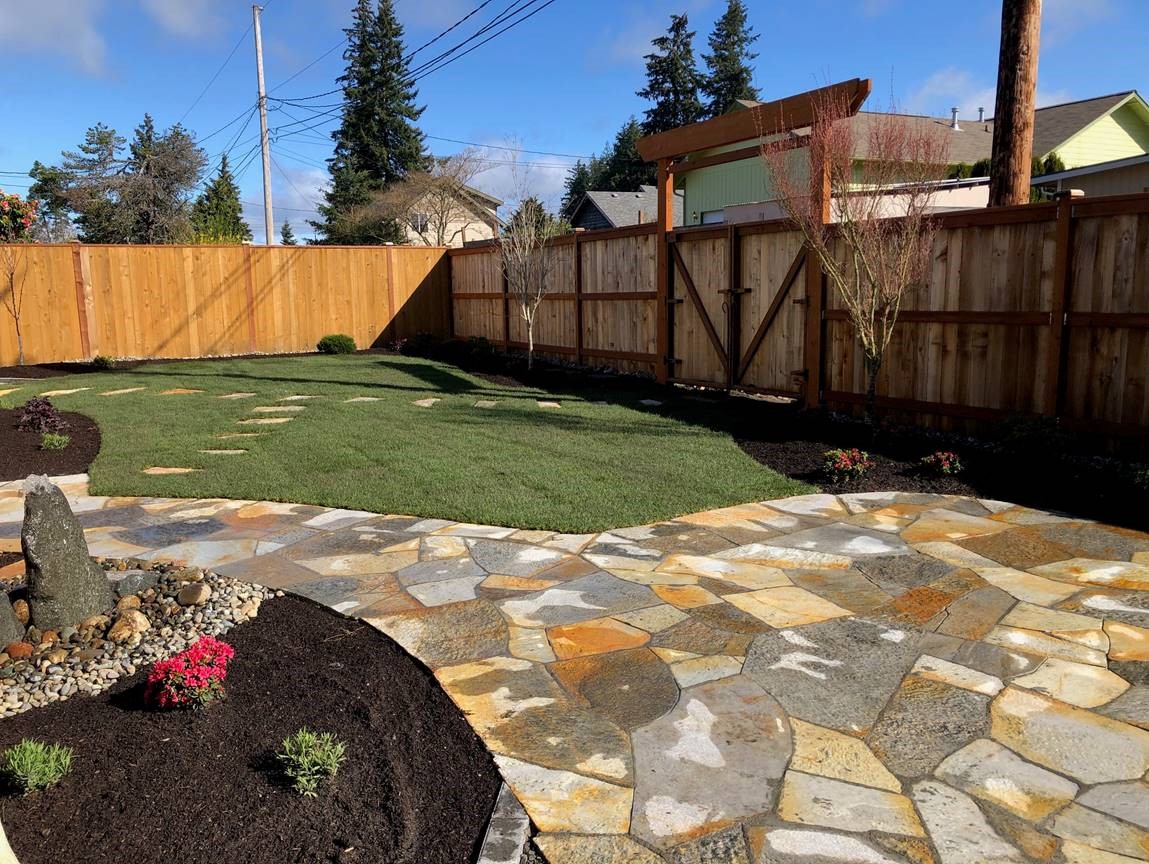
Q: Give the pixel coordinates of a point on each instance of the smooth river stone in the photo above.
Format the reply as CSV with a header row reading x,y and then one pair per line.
x,y
992,773
715,759
1072,741
958,829
828,803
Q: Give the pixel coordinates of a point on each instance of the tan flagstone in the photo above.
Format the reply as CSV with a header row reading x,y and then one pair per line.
x,y
742,516
749,576
1036,642
698,670
957,556
880,521
820,504
545,403
673,655
1076,683
276,409
812,800
596,636
650,577
354,399
223,452
8,391
1127,642
621,562
573,543
1078,853
426,403
937,669
591,849
829,753
470,529
535,537
119,392
299,398
686,596
162,470
941,525
528,643
1052,621
786,607
500,582
1101,832
989,771
231,435
237,395
437,547
65,392
1088,571
1026,586
653,619
784,557
361,564
562,801
1072,741
265,421
178,391
266,508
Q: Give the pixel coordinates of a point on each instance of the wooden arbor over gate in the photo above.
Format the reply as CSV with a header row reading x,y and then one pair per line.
x,y
675,152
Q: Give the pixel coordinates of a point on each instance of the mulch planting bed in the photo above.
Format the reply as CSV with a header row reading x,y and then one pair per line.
x,y
20,453
417,785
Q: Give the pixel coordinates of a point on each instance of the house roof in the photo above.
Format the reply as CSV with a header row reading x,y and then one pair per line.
x,y
483,198
968,143
624,208
1056,124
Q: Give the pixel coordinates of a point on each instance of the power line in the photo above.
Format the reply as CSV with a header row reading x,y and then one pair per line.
x,y
218,71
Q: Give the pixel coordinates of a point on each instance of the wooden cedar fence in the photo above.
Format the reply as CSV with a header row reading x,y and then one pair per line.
x,y
191,301
1034,310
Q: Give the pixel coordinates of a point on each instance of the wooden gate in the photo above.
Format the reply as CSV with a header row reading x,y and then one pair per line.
x,y
737,309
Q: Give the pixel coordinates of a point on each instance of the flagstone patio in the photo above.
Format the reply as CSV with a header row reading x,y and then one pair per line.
x,y
869,678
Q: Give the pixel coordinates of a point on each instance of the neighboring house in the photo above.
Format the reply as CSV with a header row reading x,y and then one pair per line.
x,y
438,220
616,209
1086,132
1119,177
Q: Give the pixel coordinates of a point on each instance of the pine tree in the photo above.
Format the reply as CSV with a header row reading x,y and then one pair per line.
x,y
579,181
377,142
729,76
623,169
286,235
217,215
672,80
161,172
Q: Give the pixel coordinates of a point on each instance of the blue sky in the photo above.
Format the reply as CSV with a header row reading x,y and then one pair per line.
x,y
561,82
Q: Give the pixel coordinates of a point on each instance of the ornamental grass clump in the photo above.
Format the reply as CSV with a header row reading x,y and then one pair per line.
x,y
33,765
944,462
843,465
309,758
54,441
191,679
39,415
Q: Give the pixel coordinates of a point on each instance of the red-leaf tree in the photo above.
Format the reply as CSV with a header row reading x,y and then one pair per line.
x,y
875,176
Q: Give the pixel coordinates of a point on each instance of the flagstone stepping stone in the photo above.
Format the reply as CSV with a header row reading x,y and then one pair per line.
x,y
519,711
467,529
1101,832
1128,801
786,607
837,673
527,643
355,399
650,403
426,403
178,391
486,403
1127,642
823,505
1074,683
716,757
685,596
995,774
924,722
300,398
653,619
1026,586
446,591
231,435
161,471
737,573
224,452
630,687
65,392
699,670
828,803
1096,541
513,559
808,846
440,570
238,395
1020,548
958,829
594,596
1087,571
596,636
119,392
265,421
1127,607
546,404
276,409
846,588
565,801
592,849
956,675
9,391
846,540
725,845
1043,644
827,753
447,635
1072,741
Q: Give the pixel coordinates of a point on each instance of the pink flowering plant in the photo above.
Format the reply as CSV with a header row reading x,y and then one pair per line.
x,y
191,679
943,462
843,465
16,217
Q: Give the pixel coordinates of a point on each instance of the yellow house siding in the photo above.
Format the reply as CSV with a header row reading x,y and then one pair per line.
x,y
1119,135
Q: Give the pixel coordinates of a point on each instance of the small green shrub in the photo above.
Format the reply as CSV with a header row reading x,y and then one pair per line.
x,y
843,465
103,363
336,343
943,462
309,758
54,441
1141,478
32,765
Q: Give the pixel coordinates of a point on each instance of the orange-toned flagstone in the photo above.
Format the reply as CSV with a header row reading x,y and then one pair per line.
x,y
178,391
594,637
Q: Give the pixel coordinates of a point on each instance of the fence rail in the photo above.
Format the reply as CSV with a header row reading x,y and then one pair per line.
x,y
1039,310
79,301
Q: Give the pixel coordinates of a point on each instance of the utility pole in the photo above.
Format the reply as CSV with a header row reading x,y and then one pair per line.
x,y
1012,159
264,143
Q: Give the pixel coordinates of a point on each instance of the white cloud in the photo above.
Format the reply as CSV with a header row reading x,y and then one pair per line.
x,y
1061,19
540,176
185,18
951,87
293,200
629,41
66,27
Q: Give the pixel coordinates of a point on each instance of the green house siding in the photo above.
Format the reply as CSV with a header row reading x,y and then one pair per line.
x,y
744,182
1119,135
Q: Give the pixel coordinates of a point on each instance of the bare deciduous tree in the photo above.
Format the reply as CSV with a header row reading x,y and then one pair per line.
x,y
881,173
15,266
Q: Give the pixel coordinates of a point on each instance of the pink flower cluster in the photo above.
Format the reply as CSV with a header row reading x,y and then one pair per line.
x,y
842,465
191,679
16,217
943,462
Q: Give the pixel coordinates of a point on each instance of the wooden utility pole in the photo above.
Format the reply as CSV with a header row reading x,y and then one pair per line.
x,y
1010,167
264,143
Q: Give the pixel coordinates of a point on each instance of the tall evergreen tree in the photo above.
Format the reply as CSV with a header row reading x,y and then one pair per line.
x,y
286,235
161,172
672,80
619,169
377,142
729,76
217,215
579,181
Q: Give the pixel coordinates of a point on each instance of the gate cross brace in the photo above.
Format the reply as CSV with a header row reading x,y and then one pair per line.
x,y
707,325
771,314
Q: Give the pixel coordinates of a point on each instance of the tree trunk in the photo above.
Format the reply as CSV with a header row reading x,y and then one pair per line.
x,y
19,343
530,344
1011,162
873,367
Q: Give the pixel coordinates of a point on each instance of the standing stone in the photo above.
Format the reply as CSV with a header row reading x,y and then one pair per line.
x,y
64,584
11,630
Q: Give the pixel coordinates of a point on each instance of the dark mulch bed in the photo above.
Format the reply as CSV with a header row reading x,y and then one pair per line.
x,y
147,786
20,453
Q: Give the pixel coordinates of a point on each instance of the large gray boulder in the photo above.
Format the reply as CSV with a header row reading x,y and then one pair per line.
x,y
65,585
11,630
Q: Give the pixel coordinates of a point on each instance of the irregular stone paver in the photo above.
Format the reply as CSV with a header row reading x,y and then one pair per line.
x,y
177,391
119,392
238,395
164,470
426,403
982,688
265,421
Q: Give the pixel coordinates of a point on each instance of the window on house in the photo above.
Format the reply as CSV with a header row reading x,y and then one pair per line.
x,y
713,217
419,222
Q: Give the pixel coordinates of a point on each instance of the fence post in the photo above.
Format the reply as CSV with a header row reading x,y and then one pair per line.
x,y
85,301
578,295
665,222
1062,290
815,285
506,310
450,265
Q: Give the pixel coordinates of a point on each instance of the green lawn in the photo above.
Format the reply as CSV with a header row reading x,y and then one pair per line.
x,y
586,466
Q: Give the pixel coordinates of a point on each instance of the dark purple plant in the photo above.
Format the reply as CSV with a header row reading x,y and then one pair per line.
x,y
39,415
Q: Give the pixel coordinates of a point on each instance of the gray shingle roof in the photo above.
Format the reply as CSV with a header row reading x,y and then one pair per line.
x,y
1055,124
623,208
